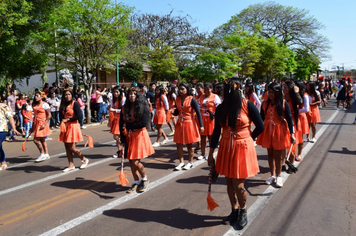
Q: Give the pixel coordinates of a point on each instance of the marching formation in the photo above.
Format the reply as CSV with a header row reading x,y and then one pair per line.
x,y
232,117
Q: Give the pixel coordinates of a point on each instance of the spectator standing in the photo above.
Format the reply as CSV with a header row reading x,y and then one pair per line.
x,y
54,103
151,96
99,103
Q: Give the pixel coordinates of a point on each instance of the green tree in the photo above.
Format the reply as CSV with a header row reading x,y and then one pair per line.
x,y
19,54
162,61
132,71
307,64
89,31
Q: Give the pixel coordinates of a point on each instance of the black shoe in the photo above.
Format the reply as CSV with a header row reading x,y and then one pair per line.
x,y
284,169
132,189
242,219
143,185
230,219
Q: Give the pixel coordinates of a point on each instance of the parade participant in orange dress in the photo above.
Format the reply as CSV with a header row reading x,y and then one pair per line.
x,y
251,95
199,88
278,133
70,114
292,96
186,129
171,96
236,158
314,114
160,117
116,105
303,110
133,120
40,128
208,103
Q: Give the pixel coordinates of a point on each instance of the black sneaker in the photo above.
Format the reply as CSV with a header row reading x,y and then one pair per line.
x,y
242,218
143,185
230,219
132,189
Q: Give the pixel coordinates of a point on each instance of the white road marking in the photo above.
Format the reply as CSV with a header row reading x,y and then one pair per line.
x,y
90,215
262,201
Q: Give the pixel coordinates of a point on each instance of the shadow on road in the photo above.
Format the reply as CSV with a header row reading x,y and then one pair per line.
x,y
177,218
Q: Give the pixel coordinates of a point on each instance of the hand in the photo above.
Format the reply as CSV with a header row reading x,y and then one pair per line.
x,y
112,109
211,160
42,127
16,132
65,120
292,139
201,129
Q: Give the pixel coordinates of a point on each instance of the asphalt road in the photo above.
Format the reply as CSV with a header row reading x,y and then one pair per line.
x,y
37,198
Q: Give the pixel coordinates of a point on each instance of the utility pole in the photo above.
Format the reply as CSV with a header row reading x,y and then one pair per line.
x,y
117,55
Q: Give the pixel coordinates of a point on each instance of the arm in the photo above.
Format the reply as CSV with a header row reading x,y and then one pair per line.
x,y
288,116
317,102
165,102
217,129
141,123
48,115
306,105
121,126
262,113
194,104
256,119
77,113
258,103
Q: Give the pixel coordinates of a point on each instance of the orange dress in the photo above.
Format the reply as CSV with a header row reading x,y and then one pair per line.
x,y
209,104
160,117
276,133
138,141
304,120
73,133
297,127
237,156
114,123
40,119
186,128
314,115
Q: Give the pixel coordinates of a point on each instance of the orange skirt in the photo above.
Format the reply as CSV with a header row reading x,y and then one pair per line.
x,y
139,144
304,123
186,132
208,126
169,116
314,116
237,159
114,126
298,134
72,134
160,117
274,136
37,133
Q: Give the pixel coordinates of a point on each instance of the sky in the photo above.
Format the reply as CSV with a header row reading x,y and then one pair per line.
x,y
338,17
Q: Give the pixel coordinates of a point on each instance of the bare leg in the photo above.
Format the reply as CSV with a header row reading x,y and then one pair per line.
x,y
38,143
231,193
271,162
203,144
278,158
190,152
69,154
44,145
180,152
239,189
313,128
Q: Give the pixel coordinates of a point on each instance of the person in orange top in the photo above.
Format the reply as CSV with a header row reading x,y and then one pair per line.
x,y
186,129
171,96
314,114
251,95
303,110
70,114
116,105
199,88
292,96
134,136
160,117
278,133
208,103
40,128
236,158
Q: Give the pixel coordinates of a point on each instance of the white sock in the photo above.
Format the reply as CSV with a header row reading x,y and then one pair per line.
x,y
144,178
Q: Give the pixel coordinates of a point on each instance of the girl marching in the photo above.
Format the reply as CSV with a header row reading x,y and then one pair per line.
x,y
171,96
70,115
40,128
117,102
314,114
208,103
303,110
278,133
251,95
133,120
160,116
186,128
294,100
236,158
